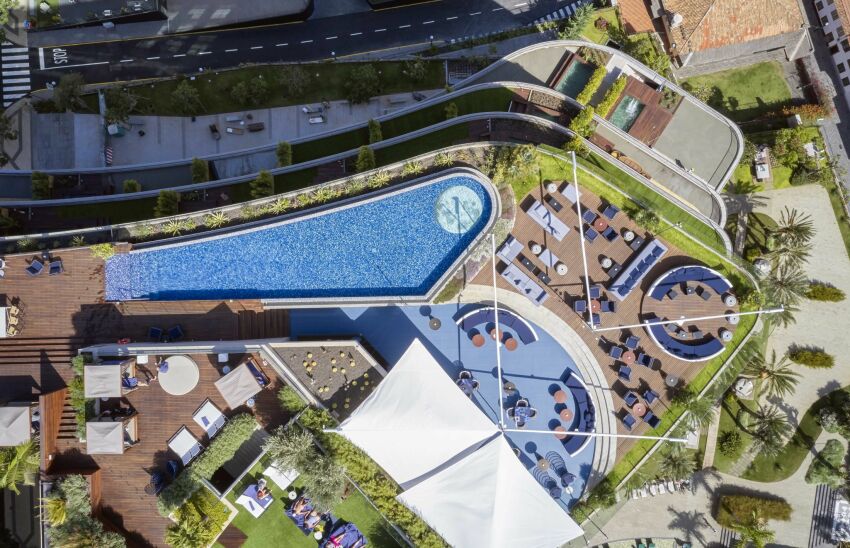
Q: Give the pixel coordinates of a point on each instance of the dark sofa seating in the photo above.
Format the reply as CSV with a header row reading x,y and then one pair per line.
x,y
703,350
585,416
638,267
487,314
696,274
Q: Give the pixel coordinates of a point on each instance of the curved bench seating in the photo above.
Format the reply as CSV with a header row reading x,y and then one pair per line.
x,y
585,415
697,274
704,350
487,314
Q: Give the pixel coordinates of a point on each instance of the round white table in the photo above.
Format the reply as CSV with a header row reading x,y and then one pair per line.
x,y
181,377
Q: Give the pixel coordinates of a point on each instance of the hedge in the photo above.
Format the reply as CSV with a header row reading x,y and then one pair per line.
x,y
178,492
371,479
827,468
738,509
236,431
811,357
611,96
592,85
819,291
582,123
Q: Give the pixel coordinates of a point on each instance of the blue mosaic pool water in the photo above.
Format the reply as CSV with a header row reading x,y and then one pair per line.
x,y
393,246
626,113
574,79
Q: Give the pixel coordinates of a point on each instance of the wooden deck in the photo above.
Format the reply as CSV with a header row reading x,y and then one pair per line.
x,y
564,290
653,119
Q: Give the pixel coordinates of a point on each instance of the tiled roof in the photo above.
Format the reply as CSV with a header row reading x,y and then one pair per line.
x,y
636,17
711,24
843,7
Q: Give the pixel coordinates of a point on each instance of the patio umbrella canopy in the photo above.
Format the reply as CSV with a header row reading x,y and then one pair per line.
x,y
102,380
105,438
237,386
15,424
489,499
416,419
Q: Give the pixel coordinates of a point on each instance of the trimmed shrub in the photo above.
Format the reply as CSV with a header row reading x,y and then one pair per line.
x,y
365,159
290,401
42,185
451,111
592,85
204,515
284,154
811,357
830,419
729,443
131,185
236,431
375,134
102,251
611,96
167,203
738,509
582,123
819,291
262,186
827,468
173,496
751,253
200,171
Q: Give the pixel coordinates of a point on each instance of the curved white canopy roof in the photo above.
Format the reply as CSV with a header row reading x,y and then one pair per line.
x,y
15,424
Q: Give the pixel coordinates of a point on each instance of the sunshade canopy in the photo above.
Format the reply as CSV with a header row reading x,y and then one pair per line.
x,y
237,386
15,424
416,419
102,380
489,499
105,438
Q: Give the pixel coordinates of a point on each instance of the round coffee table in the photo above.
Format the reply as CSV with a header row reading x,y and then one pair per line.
x,y
671,381
725,335
560,432
595,306
181,377
730,300
607,262
628,236
628,357
561,269
478,340
600,224
566,414
560,396
511,344
435,323
639,409
543,464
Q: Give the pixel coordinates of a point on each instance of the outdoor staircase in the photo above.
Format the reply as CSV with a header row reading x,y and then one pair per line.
x,y
32,351
265,324
68,422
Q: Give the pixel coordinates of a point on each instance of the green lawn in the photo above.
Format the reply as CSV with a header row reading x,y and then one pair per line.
x,y
745,93
273,528
326,81
727,423
593,34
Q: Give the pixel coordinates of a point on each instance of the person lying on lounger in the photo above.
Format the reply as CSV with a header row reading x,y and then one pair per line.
x,y
312,519
301,507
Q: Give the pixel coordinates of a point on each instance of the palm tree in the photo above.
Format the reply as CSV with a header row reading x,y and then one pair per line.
x,y
699,410
785,285
777,378
19,465
792,254
754,531
769,428
793,228
677,463
55,510
290,449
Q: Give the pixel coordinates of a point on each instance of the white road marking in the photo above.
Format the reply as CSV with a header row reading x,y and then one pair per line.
x,y
180,55
16,57
16,72
16,88
256,47
427,22
16,65
231,50
152,58
306,41
404,26
331,37
521,5
498,9
355,34
451,18
79,65
16,80
204,52
474,13
282,44
380,30
41,58
125,61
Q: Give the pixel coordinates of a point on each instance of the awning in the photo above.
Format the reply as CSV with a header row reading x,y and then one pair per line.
x,y
416,419
15,425
105,438
102,380
237,386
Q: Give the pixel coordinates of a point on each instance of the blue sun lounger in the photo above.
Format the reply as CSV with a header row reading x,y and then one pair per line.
x,y
35,267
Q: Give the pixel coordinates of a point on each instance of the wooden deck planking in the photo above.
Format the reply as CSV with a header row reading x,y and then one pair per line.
x,y
565,289
653,119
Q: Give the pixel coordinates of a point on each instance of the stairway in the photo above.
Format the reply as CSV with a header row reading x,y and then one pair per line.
x,y
34,351
266,324
68,422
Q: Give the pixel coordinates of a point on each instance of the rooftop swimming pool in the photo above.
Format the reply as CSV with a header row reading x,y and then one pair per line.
x,y
626,113
574,79
393,245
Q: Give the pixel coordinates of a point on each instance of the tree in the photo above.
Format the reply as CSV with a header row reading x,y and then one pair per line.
x,y
827,468
642,48
5,7
753,531
200,170
251,92
788,146
167,203
785,285
120,103
729,442
262,186
791,254
574,26
793,228
68,93
294,80
416,69
186,98
777,378
699,410
363,84
42,185
325,480
290,449
365,159
769,427
131,185
677,463
186,533
451,110
284,154
19,465
375,131
7,131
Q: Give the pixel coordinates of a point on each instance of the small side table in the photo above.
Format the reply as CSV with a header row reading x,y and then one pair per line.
x,y
560,433
543,464
511,344
478,340
671,381
566,415
628,236
560,396
435,323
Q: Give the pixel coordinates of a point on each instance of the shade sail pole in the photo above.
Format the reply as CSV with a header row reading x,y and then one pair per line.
x,y
498,336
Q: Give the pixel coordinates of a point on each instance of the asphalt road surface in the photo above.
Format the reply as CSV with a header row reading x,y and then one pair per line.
x,y
314,39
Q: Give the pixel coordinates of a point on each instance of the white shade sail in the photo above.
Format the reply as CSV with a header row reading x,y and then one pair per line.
x,y
237,386
102,380
416,419
489,499
15,424
105,438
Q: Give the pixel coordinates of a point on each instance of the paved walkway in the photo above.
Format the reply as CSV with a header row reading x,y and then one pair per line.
x,y
711,439
819,324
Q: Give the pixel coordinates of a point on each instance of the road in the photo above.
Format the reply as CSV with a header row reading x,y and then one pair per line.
x,y
314,39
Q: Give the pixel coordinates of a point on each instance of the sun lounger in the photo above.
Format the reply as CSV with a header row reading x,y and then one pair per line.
x,y
35,267
524,284
253,503
56,267
262,380
569,192
185,445
510,249
155,334
298,519
347,536
281,478
210,418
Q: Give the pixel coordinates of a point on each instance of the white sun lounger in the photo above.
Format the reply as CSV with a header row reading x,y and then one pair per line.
x,y
210,418
186,445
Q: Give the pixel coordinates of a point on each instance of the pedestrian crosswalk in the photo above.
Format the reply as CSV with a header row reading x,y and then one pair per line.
x,y
14,72
562,13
